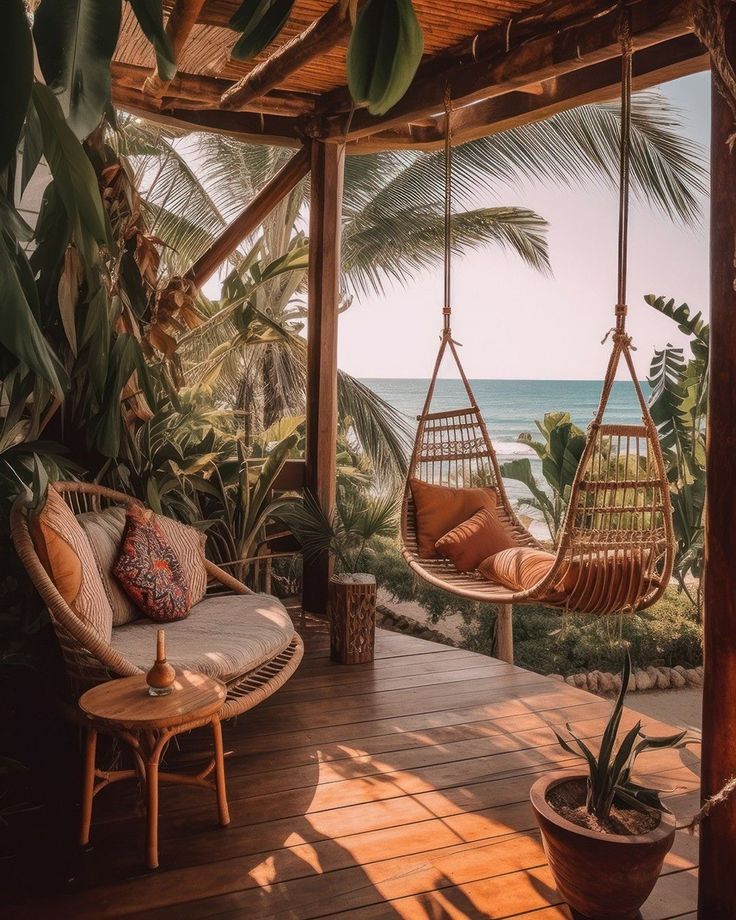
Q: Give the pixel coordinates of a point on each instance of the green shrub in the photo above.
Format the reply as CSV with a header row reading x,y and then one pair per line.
x,y
552,643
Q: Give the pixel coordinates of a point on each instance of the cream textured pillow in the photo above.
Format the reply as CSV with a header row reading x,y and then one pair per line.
x,y
104,530
66,554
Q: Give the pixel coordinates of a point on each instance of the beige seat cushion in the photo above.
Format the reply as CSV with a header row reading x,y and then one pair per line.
x,y
105,532
223,636
66,554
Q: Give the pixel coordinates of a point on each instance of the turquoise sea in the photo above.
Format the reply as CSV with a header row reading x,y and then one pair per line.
x,y
511,406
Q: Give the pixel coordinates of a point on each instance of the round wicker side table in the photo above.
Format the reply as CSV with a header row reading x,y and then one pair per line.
x,y
145,723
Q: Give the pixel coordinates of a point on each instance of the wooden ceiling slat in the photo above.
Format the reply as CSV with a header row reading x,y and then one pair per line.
x,y
549,51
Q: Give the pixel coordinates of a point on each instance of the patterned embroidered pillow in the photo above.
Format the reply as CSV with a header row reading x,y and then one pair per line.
x,y
149,570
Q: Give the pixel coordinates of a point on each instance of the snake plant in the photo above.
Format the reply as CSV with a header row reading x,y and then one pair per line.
x,y
609,774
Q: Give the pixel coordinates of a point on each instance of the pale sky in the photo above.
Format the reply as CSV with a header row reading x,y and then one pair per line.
x,y
514,322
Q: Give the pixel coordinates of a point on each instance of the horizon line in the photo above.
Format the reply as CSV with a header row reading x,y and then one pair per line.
x,y
509,379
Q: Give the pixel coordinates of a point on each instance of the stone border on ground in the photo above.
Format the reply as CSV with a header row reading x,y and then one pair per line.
x,y
603,683
397,622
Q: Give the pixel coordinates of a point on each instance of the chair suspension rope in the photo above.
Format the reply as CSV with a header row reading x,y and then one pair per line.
x,y
447,307
624,170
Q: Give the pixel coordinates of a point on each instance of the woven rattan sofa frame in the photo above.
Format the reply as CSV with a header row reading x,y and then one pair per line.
x,y
89,659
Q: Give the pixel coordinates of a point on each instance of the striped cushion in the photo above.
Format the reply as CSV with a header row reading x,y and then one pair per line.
x,y
188,544
66,554
105,532
612,575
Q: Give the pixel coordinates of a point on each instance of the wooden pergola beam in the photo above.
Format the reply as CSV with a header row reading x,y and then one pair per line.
x,y
252,127
598,83
554,51
195,91
254,214
182,20
319,37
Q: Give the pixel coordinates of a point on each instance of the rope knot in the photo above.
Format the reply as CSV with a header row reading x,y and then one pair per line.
x,y
623,339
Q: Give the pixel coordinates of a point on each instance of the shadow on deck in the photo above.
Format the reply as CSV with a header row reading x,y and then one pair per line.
x,y
393,789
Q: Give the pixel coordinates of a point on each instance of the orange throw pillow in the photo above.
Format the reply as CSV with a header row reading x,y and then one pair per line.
x,y
440,508
468,544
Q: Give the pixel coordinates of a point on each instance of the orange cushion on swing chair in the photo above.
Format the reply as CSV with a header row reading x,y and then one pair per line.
x,y
472,541
438,509
524,566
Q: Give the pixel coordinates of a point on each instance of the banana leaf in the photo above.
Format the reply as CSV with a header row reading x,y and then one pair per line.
x,y
16,80
150,16
75,41
260,23
74,178
384,53
20,333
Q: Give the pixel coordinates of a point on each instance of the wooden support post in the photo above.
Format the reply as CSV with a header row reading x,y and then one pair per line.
x,y
285,180
328,161
505,633
717,879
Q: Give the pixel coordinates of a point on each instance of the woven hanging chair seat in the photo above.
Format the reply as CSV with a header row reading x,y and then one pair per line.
x,y
616,547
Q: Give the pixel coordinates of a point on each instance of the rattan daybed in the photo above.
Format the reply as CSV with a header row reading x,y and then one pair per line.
x,y
245,639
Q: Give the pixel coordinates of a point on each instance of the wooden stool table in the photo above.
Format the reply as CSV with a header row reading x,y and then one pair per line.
x,y
146,723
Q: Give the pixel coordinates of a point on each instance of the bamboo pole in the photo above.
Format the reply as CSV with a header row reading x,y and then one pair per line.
x,y
285,180
319,37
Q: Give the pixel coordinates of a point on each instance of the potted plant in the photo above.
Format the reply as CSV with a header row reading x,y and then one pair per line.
x,y
605,836
345,533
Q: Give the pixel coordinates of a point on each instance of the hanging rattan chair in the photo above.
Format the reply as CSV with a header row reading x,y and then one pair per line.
x,y
616,546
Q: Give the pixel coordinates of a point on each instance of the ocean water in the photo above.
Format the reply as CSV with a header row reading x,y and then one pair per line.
x,y
510,407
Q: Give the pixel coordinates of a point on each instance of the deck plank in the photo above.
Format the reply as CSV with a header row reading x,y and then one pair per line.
x,y
397,789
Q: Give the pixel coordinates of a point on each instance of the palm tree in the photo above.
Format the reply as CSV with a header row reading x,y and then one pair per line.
x,y
392,230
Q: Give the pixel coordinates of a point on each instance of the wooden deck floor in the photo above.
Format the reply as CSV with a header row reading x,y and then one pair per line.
x,y
391,790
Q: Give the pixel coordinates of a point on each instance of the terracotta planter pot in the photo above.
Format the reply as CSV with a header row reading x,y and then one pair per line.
x,y
601,876
352,614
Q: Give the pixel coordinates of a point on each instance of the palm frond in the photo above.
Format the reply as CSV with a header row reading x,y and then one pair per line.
x,y
574,146
382,431
412,240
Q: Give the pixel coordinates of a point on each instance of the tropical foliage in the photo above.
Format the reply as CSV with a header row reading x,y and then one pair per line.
x,y
609,773
679,404
249,348
347,532
559,450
